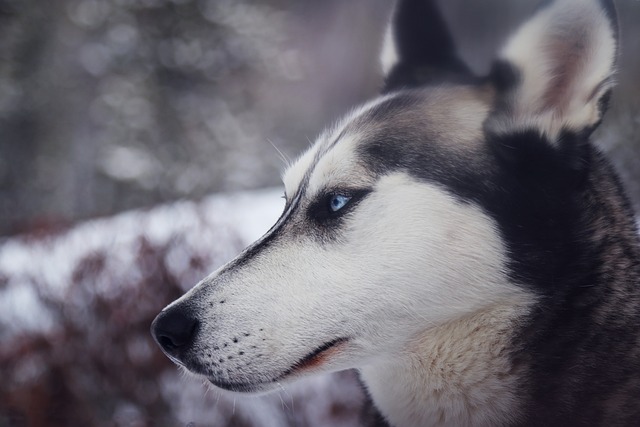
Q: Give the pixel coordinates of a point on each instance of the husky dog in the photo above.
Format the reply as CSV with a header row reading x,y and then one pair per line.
x,y
458,240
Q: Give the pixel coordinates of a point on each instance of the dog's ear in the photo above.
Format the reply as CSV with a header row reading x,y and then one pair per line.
x,y
554,75
418,48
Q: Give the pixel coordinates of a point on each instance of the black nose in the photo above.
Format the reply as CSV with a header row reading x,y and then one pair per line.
x,y
174,329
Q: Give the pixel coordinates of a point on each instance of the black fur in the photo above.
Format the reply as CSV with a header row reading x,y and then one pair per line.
x,y
571,240
567,224
569,231
504,76
425,48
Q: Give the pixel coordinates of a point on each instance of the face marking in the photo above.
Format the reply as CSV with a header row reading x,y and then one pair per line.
x,y
299,173
267,298
441,121
314,252
338,166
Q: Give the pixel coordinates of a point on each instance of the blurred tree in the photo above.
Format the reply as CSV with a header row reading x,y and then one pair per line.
x,y
114,104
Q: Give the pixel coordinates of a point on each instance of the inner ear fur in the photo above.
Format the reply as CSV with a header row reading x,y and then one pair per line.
x,y
555,73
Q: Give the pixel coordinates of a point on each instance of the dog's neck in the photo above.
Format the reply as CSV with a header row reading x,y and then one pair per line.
x,y
459,374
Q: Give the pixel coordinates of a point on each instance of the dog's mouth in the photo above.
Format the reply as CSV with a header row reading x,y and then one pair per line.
x,y
311,361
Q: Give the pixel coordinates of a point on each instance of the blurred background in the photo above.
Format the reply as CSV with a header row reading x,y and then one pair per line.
x,y
181,113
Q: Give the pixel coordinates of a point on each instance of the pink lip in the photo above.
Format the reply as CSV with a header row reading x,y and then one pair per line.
x,y
319,356
310,362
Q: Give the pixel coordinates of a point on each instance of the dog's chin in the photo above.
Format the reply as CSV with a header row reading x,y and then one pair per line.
x,y
313,362
246,388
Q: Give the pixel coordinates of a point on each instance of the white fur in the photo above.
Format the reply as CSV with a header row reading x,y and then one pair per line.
x,y
565,32
389,54
454,375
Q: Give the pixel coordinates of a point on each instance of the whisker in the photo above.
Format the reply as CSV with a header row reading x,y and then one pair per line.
x,y
282,404
283,157
284,390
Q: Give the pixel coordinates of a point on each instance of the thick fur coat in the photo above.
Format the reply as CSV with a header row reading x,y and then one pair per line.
x,y
458,240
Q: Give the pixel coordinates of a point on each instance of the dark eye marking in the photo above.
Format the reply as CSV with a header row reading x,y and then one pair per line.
x,y
332,205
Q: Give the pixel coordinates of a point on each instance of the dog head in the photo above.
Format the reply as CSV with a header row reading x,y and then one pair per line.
x,y
414,209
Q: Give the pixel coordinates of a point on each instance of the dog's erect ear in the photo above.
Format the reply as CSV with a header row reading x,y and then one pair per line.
x,y
418,48
555,73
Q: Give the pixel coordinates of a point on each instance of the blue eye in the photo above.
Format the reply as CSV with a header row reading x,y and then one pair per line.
x,y
338,201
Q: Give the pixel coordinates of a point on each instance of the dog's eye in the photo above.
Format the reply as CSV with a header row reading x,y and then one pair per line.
x,y
332,205
338,201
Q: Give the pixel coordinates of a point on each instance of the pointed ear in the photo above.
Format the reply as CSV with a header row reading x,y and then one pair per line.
x,y
418,48
555,73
